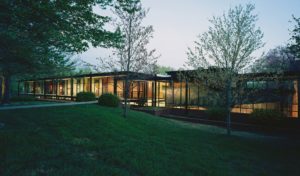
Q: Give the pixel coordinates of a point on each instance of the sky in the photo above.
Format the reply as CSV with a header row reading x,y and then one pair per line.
x,y
177,23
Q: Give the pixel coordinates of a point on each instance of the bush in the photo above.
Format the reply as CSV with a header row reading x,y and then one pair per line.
x,y
109,100
142,102
85,96
216,113
22,98
267,116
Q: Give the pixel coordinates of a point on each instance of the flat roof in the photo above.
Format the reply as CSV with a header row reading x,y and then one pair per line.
x,y
136,75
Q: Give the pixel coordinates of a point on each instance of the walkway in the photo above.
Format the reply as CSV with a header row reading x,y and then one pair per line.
x,y
45,105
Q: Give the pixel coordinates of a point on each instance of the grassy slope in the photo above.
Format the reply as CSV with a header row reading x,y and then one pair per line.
x,y
93,140
25,103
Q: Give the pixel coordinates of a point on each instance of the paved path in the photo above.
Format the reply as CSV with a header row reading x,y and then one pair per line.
x,y
45,105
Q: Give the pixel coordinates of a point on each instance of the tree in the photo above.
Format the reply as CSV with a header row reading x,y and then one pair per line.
x,y
35,34
277,60
225,50
160,69
294,46
132,55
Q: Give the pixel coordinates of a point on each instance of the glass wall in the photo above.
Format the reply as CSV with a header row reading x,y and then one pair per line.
x,y
161,93
142,90
280,95
263,94
97,86
120,88
86,84
194,93
39,87
176,94
28,87
64,87
77,86
107,85
61,87
149,92
50,87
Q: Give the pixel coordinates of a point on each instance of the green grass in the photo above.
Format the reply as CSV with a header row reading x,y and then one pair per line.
x,y
93,140
22,103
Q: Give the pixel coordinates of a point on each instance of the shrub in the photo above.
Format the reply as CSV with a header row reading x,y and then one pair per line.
x,y
22,98
216,113
109,100
267,116
142,102
85,96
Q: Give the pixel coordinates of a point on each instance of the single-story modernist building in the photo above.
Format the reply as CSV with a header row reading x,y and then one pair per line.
x,y
174,91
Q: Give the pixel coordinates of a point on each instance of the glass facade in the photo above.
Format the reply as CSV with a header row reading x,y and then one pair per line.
x,y
68,88
282,95
174,93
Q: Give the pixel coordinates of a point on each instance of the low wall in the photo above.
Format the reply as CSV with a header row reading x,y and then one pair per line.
x,y
243,122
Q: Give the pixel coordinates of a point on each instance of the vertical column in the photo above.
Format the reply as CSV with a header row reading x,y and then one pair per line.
x,y
82,86
166,83
115,85
72,88
240,86
34,88
90,83
44,82
124,89
154,93
131,89
173,93
180,95
53,88
138,88
186,94
158,93
56,88
146,91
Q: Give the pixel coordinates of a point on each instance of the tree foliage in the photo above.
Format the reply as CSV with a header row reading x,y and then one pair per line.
x,y
229,42
294,46
133,54
277,60
160,69
38,35
31,29
225,50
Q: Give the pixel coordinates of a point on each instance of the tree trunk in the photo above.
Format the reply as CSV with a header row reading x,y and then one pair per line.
x,y
125,97
6,96
228,106
127,69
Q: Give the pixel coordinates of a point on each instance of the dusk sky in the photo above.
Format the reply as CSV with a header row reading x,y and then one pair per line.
x,y
177,24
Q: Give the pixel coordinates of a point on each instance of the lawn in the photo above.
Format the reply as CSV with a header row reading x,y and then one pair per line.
x,y
25,103
93,140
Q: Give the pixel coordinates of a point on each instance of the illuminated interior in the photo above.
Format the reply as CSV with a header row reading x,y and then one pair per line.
x,y
172,92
